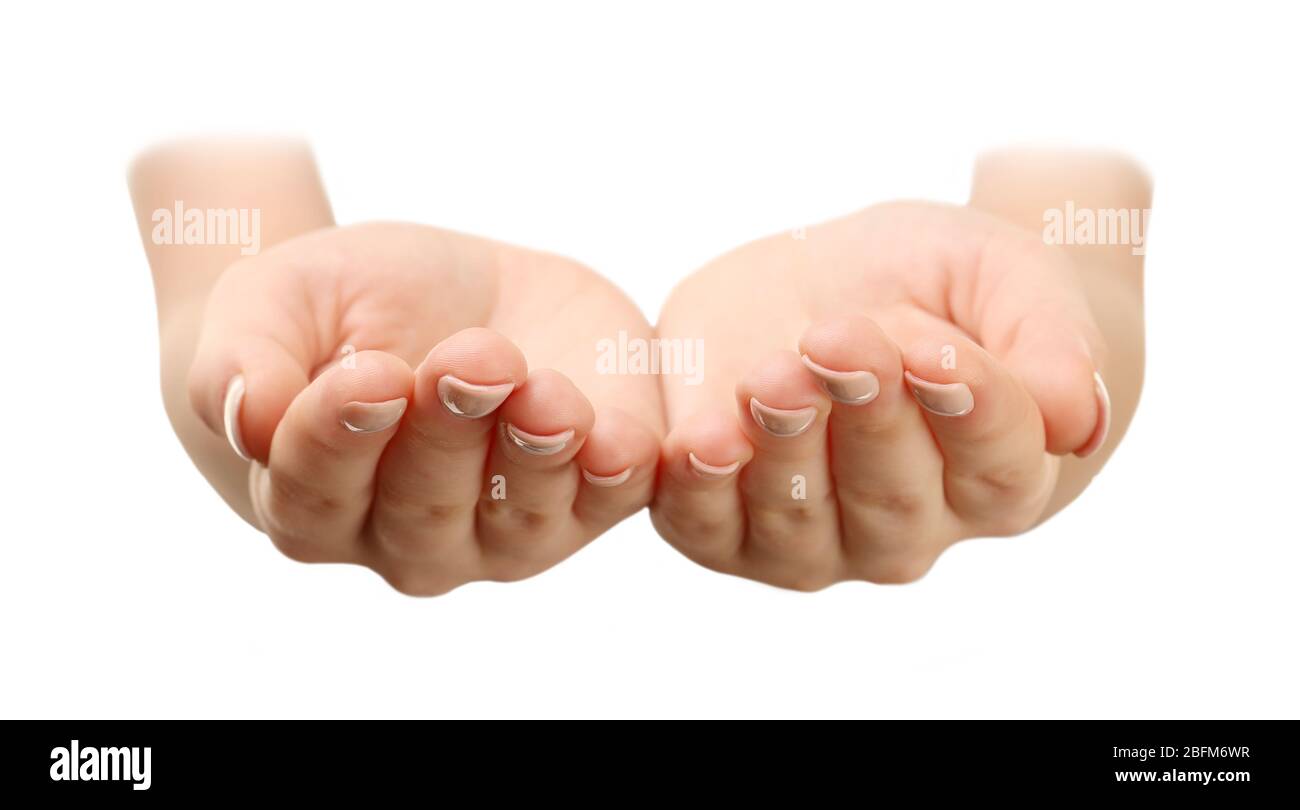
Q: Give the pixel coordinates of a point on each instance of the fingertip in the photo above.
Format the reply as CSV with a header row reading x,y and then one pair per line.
x,y
618,464
714,439
360,385
240,384
781,399
781,380
230,416
477,355
548,403
469,374
244,397
1073,405
852,343
267,396
1102,428
616,444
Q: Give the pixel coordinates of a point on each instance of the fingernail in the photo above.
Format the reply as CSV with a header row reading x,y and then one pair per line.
x,y
372,417
469,400
230,416
780,422
944,399
538,445
1103,419
608,480
846,387
709,470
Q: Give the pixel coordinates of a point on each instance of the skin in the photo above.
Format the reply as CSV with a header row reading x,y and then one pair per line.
x,y
325,318
895,288
277,177
404,305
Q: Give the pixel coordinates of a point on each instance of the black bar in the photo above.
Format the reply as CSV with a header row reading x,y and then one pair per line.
x,y
798,761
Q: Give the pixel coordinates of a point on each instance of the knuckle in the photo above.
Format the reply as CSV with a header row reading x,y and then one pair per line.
x,y
393,498
407,542
513,519
319,446
880,541
785,526
1003,501
289,499
530,537
410,505
1011,482
794,516
895,503
709,541
780,538
441,514
684,527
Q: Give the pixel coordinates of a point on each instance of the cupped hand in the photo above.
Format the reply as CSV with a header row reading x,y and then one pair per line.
x,y
875,389
378,376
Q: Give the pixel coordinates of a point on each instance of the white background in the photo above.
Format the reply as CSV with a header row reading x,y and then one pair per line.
x,y
644,143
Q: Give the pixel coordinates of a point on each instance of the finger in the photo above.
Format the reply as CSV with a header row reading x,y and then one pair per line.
x,y
618,470
526,523
431,477
997,474
256,351
787,489
888,471
697,505
316,492
1029,310
1022,185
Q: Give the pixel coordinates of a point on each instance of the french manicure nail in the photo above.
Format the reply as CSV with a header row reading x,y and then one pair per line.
x,y
469,400
781,422
230,416
1103,419
608,480
710,470
536,444
845,387
944,399
372,417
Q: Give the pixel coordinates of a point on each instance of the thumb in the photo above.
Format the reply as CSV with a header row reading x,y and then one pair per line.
x,y
1029,309
258,347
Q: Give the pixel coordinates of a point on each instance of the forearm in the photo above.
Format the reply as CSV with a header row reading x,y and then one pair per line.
x,y
274,186
1020,186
